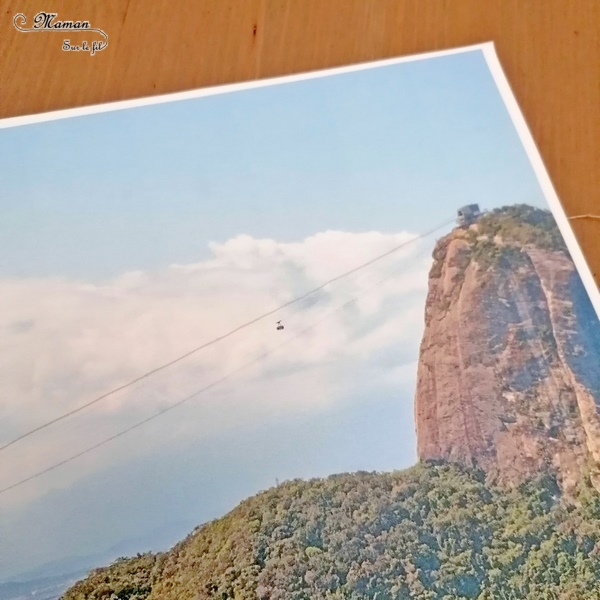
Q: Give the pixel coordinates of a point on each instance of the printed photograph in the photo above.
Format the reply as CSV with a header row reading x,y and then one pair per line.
x,y
320,338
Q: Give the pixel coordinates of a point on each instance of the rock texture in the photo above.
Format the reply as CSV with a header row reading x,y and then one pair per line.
x,y
509,369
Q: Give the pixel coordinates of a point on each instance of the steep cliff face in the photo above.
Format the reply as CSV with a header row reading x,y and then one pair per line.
x,y
509,370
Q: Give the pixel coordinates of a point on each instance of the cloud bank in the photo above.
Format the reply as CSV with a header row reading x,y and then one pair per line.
x,y
64,342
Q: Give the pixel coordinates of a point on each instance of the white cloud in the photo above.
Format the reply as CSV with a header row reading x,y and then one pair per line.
x,y
64,342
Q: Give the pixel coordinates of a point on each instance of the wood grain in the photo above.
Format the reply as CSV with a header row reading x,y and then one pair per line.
x,y
550,50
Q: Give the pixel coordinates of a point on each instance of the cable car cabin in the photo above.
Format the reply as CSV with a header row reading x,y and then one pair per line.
x,y
467,215
279,326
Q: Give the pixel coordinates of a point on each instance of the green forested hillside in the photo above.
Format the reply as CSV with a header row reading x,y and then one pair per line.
x,y
431,532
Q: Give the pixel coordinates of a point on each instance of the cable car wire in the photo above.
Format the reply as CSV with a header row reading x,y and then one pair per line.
x,y
202,390
218,339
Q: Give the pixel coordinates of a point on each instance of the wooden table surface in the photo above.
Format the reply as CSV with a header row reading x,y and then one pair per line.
x,y
550,50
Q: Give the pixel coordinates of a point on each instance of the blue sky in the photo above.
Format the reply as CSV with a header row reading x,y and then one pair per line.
x,y
140,188
258,194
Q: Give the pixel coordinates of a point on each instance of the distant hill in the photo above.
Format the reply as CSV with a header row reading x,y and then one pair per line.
x,y
432,532
47,588
49,581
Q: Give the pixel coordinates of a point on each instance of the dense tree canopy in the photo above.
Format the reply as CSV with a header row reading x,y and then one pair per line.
x,y
431,532
522,225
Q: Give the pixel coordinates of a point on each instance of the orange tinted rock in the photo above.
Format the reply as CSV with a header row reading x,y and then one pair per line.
x,y
509,367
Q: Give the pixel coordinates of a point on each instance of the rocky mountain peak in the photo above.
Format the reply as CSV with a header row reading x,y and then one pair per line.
x,y
509,366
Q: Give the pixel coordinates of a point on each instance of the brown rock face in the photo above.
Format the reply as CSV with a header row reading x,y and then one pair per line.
x,y
509,369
